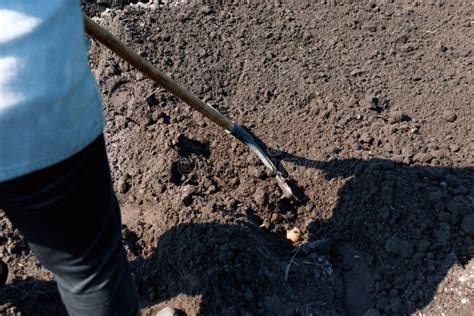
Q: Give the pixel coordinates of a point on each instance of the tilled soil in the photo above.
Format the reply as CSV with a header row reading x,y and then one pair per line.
x,y
368,109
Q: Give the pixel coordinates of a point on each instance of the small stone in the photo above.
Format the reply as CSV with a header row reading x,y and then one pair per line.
x,y
187,194
372,312
256,172
371,28
182,17
454,148
211,189
260,197
357,72
372,101
307,36
155,116
158,187
168,311
408,48
467,224
120,121
266,224
449,116
438,154
422,157
205,10
139,76
366,138
398,117
443,48
203,53
274,217
321,74
123,184
293,234
165,37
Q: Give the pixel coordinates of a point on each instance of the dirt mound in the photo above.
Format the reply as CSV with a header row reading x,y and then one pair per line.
x,y
366,106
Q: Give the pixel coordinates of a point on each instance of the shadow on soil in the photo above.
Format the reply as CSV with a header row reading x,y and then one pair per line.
x,y
32,297
396,231
237,270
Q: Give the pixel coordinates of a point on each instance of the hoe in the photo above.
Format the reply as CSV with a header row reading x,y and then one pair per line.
x,y
106,38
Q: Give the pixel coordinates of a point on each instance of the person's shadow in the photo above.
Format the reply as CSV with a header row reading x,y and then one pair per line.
x,y
395,232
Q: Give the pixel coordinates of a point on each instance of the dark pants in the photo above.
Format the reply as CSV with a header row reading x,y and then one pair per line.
x,y
70,217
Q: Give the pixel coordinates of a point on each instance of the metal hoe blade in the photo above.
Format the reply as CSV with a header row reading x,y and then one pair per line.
x,y
242,135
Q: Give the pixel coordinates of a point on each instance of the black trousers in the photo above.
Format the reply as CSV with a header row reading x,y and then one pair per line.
x,y
70,217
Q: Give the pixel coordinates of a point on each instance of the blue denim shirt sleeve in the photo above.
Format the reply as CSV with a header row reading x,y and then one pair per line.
x,y
50,106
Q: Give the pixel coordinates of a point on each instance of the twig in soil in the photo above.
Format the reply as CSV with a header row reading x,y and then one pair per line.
x,y
149,95
152,93
310,263
292,261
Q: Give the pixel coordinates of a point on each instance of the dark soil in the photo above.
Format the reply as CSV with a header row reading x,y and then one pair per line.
x,y
95,7
366,106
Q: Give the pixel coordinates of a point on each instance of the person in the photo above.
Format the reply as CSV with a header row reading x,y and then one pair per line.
x,y
55,182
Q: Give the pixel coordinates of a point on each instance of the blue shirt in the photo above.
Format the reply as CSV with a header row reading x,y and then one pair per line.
x,y
50,107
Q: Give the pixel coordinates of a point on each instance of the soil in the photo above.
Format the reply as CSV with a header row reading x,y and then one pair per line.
x,y
367,107
95,7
